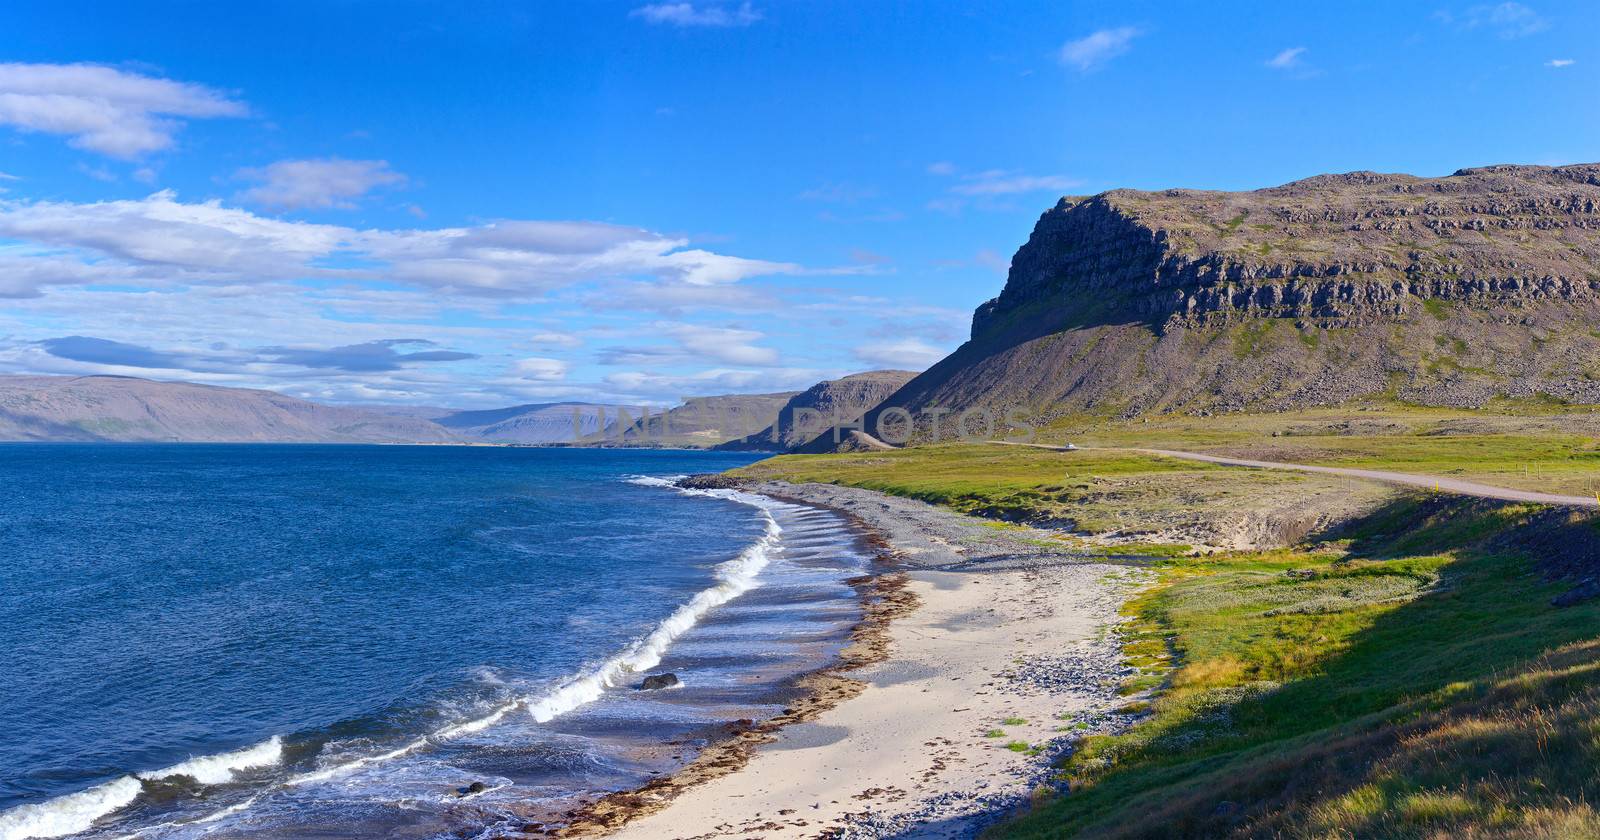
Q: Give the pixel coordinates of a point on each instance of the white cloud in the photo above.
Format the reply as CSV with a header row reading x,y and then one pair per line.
x,y
907,353
555,339
101,109
669,387
689,15
540,369
992,260
212,243
1288,59
324,183
943,167
724,344
1508,20
1097,48
1003,182
1560,62
694,343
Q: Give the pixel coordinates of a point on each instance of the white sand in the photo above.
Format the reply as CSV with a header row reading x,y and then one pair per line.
x,y
909,751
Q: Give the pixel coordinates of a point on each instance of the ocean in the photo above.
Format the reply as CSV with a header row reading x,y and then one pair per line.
x,y
274,641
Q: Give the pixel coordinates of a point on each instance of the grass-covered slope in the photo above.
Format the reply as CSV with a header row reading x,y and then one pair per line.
x,y
1099,497
1527,447
1400,669
1410,680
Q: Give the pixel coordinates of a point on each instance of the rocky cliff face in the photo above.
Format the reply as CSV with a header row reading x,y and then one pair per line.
x,y
1451,291
820,407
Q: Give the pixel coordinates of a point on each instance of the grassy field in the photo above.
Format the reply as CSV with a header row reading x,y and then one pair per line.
x,y
1403,674
1130,496
1411,680
1556,452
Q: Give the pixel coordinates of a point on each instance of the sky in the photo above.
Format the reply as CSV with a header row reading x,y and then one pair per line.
x,y
478,204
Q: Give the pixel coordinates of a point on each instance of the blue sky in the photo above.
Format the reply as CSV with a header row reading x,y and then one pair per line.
x,y
479,204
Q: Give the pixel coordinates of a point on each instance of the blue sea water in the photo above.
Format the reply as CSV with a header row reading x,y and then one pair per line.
x,y
338,641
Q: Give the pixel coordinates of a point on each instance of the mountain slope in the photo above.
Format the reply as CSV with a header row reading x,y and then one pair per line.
x,y
834,402
701,422
114,408
1454,291
535,424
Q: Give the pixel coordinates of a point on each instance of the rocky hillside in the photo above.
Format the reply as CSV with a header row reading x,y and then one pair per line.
x,y
1463,290
114,408
821,407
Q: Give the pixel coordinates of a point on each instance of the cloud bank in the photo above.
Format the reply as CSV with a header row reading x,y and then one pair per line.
x,y
101,109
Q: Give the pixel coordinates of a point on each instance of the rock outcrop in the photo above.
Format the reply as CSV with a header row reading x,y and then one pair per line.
x,y
1480,286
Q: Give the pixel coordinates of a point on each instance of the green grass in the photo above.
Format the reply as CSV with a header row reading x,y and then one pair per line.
x,y
1545,447
1411,681
1019,746
1438,308
1015,721
995,733
1003,482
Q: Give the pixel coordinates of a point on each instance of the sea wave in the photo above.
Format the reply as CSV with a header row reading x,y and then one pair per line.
x,y
221,768
734,578
68,814
75,812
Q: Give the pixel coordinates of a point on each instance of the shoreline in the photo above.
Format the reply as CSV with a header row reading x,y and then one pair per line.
x,y
897,737
884,597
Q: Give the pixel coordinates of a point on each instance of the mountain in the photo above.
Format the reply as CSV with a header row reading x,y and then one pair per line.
x,y
1454,291
536,424
701,422
835,402
116,408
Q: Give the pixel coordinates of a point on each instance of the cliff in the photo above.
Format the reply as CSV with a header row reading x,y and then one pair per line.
x,y
1462,290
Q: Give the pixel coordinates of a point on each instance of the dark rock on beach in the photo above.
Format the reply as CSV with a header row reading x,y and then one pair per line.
x,y
658,681
710,481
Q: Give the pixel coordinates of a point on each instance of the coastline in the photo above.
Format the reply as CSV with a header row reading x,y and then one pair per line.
x,y
899,736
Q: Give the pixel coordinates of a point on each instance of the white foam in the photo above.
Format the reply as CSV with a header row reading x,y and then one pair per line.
x,y
68,814
76,812
734,578
220,768
652,481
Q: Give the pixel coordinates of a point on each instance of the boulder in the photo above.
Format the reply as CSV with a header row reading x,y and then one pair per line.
x,y
655,682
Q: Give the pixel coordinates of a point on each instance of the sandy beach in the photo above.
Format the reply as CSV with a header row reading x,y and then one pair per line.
x,y
1009,644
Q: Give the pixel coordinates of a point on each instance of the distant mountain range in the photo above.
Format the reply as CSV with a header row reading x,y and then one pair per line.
x,y
117,408
810,416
